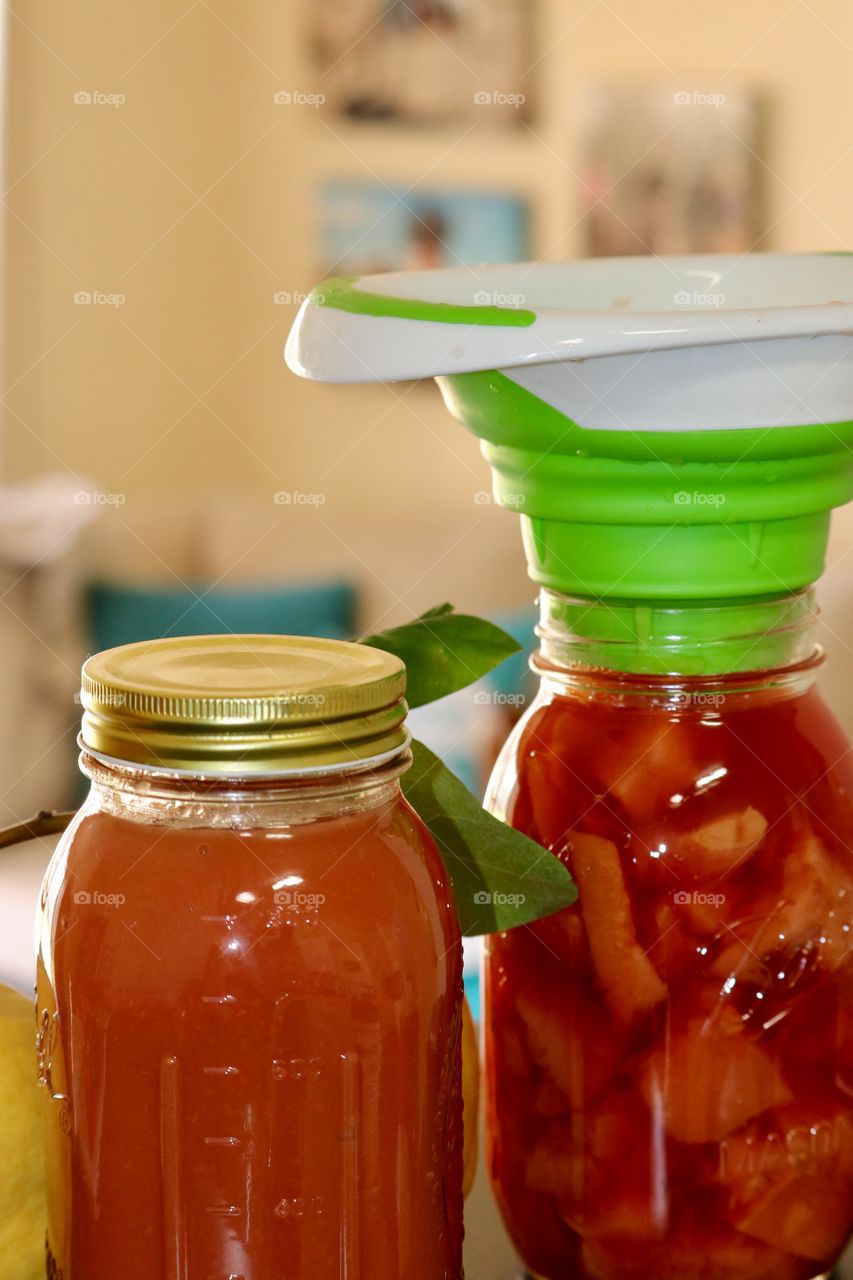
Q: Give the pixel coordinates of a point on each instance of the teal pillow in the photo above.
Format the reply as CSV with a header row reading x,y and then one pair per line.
x,y
121,614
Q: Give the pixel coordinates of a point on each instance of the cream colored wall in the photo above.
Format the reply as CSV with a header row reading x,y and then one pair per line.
x,y
193,199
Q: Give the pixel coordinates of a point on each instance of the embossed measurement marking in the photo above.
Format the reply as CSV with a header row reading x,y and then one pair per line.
x,y
298,1207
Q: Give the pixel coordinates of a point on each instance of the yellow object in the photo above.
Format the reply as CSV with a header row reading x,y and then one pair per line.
x,y
470,1096
243,705
22,1190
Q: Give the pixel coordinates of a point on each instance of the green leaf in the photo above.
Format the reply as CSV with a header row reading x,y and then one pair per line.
x,y
500,877
445,651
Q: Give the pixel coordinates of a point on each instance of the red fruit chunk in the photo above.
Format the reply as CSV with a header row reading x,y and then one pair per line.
x,y
511,1053
550,1101
812,910
572,1040
553,1043
618,1128
545,799
556,1164
557,797
619,1198
646,766
835,935
719,846
596,1164
626,974
704,918
562,935
706,1087
674,950
621,1210
810,1215
843,1057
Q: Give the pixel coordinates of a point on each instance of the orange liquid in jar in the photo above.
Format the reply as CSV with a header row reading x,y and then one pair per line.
x,y
670,1061
251,1039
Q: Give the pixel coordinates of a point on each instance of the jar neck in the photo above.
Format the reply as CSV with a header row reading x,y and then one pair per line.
x,y
708,642
165,797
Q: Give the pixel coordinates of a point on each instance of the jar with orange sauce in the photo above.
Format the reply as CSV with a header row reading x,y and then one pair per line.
x,y
249,984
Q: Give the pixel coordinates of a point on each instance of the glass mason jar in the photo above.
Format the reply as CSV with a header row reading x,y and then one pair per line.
x,y
669,1062
249,983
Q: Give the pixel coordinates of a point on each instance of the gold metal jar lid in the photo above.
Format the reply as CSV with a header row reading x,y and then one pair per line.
x,y
241,705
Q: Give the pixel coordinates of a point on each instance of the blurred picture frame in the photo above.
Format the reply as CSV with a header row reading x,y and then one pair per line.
x,y
669,171
366,227
423,61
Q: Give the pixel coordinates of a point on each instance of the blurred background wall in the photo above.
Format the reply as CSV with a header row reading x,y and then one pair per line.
x,y
160,218
193,200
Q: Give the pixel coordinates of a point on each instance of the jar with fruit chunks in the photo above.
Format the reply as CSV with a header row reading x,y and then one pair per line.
x,y
670,1061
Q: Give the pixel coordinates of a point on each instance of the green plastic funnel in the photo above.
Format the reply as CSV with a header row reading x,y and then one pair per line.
x,y
667,428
